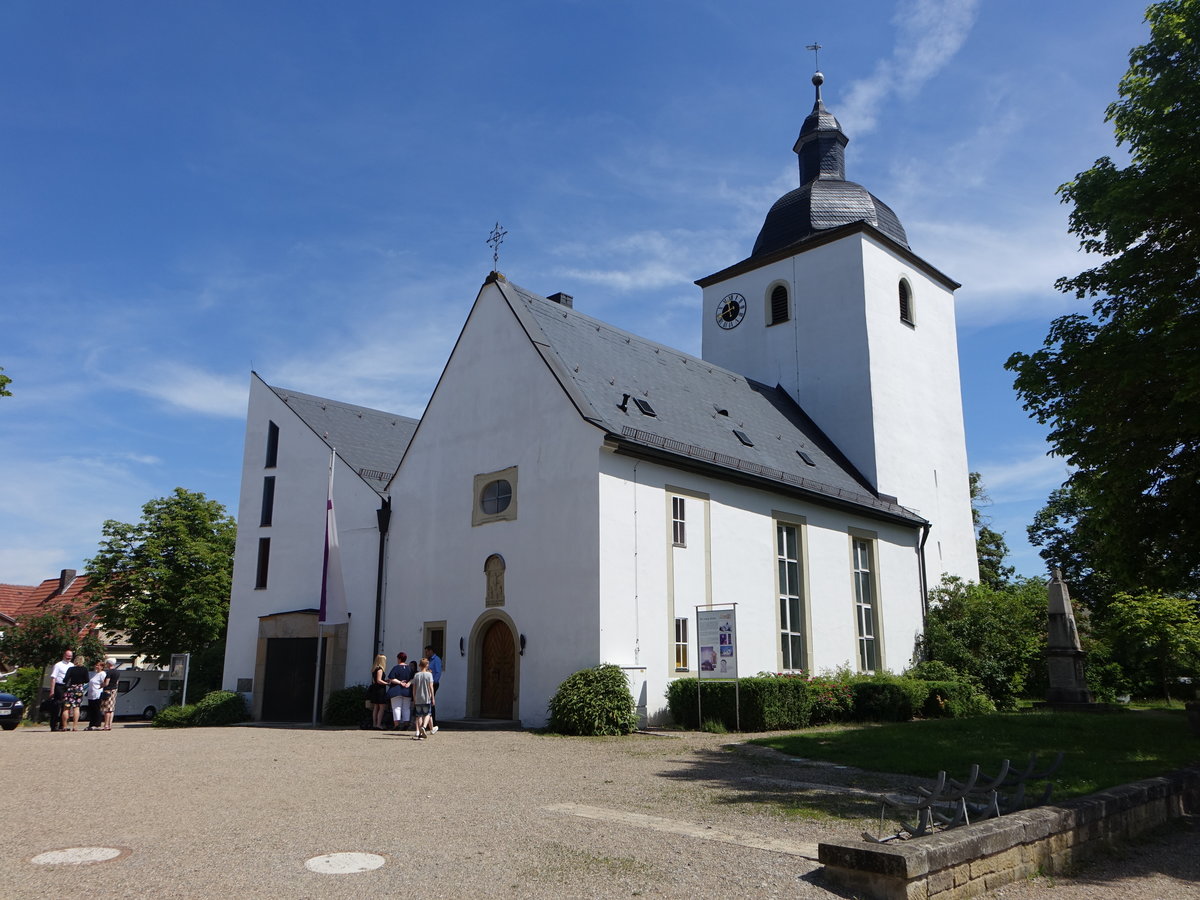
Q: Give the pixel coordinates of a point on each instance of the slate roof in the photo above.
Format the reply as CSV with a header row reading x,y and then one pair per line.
x,y
698,408
369,440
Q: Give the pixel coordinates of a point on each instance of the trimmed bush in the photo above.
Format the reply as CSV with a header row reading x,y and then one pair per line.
x,y
593,702
832,700
955,699
347,706
883,700
220,708
175,716
768,702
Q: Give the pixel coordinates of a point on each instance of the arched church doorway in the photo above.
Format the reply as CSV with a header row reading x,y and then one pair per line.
x,y
497,671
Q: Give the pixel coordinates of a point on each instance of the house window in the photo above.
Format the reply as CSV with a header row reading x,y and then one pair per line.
x,y
268,501
272,445
681,645
779,305
264,563
906,310
791,597
495,497
864,606
678,523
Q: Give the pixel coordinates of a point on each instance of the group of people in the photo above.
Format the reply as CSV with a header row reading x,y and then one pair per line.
x,y
72,683
408,690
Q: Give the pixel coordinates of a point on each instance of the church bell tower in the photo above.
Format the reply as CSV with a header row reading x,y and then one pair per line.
x,y
833,305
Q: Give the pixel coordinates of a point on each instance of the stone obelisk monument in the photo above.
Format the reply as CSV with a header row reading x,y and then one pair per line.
x,y
1064,656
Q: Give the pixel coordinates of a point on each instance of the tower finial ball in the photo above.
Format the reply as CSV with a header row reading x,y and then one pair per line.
x,y
818,79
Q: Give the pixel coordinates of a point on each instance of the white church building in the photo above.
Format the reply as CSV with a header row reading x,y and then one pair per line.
x,y
573,492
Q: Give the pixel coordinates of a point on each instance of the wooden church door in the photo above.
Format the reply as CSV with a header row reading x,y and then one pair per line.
x,y
498,672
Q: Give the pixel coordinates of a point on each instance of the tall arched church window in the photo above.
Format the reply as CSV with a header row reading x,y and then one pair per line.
x,y
779,305
493,571
906,302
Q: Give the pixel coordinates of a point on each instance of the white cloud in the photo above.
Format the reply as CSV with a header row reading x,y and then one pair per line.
x,y
929,33
1029,476
189,388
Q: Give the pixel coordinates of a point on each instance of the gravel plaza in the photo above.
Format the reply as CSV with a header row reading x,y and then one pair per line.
x,y
261,811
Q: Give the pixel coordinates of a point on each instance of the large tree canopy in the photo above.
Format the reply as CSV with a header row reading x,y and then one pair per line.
x,y
165,581
1120,389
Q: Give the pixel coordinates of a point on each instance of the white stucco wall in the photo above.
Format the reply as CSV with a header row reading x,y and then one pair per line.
x,y
498,405
887,393
297,534
738,558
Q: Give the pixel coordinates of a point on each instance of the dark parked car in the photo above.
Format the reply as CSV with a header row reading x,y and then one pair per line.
x,y
11,710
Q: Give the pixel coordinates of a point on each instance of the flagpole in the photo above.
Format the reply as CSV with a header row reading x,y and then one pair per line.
x,y
316,704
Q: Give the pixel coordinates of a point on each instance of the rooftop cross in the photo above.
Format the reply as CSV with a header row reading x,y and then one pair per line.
x,y
494,241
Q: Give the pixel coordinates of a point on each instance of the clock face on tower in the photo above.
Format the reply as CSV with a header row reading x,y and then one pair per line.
x,y
731,309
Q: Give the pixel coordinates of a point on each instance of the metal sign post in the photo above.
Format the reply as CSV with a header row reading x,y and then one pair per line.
x,y
180,664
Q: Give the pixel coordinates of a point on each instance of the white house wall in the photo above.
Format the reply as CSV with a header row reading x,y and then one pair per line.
x,y
637,585
297,534
498,405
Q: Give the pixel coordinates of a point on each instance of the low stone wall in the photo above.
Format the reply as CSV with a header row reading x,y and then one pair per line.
x,y
972,859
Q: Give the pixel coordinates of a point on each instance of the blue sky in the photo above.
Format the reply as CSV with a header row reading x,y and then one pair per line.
x,y
190,191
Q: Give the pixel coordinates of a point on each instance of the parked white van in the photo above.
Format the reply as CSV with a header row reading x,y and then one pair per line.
x,y
142,692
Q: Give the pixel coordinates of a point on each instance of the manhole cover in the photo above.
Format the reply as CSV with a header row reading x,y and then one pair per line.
x,y
76,856
344,863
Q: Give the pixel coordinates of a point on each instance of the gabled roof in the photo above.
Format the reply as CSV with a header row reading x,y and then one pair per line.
x,y
696,414
369,440
31,600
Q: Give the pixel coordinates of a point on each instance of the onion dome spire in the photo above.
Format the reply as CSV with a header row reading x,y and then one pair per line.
x,y
825,199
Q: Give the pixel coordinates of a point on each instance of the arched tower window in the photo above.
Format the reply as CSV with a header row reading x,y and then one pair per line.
x,y
779,305
906,304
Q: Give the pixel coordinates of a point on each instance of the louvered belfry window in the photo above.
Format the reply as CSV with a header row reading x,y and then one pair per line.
x,y
779,304
905,302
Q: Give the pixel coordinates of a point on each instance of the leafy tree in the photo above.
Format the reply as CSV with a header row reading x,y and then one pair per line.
x,y
1157,637
990,547
1121,389
165,580
1071,538
995,636
39,640
5,381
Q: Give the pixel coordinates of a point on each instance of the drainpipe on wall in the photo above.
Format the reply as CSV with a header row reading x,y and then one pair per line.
x,y
924,577
384,516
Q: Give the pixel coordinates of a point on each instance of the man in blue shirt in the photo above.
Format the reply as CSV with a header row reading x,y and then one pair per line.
x,y
435,669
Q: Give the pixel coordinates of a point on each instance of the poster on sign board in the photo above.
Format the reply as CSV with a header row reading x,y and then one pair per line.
x,y
716,632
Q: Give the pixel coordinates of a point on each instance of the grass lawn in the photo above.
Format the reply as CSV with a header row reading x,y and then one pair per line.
x,y
1101,749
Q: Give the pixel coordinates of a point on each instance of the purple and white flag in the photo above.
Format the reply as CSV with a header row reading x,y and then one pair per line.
x,y
333,588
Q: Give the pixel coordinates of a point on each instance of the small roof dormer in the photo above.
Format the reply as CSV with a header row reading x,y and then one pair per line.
x,y
825,199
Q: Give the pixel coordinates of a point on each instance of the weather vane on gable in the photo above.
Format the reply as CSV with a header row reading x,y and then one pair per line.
x,y
816,49
494,241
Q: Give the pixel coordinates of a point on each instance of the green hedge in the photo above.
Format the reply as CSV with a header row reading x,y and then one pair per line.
x,y
346,706
779,702
215,708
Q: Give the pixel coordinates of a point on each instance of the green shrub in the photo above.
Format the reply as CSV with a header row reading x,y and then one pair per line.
x,y
832,700
347,706
954,699
220,708
594,701
175,716
882,699
25,683
933,670
717,699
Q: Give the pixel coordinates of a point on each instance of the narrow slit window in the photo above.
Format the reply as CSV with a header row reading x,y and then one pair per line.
x,y
678,522
268,501
264,563
272,445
